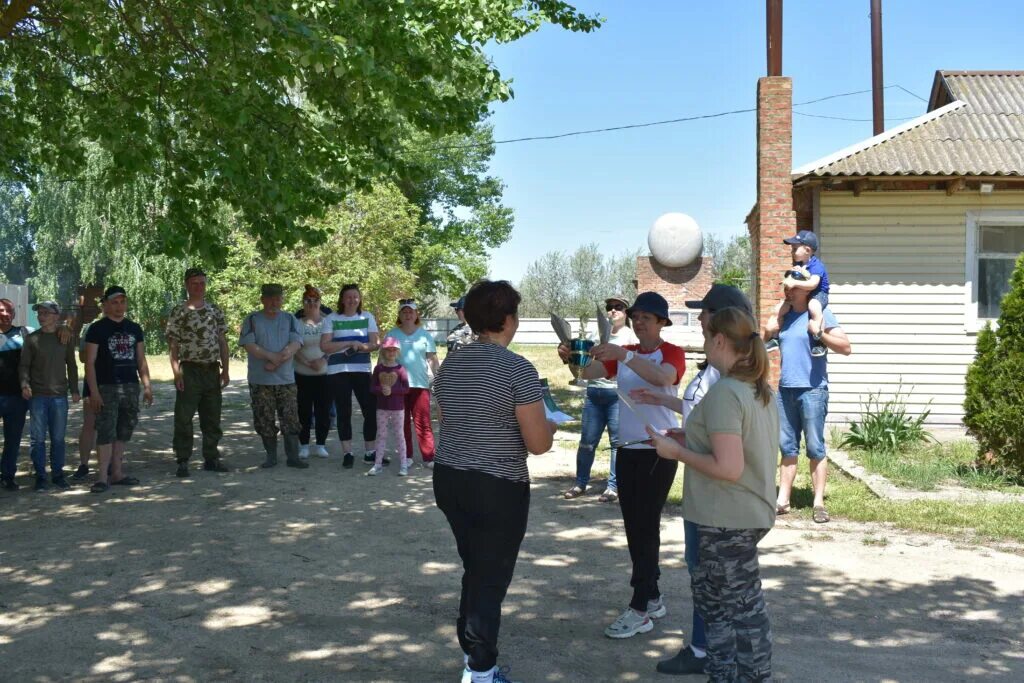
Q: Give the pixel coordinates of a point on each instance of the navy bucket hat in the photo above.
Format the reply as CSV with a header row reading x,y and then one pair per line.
x,y
650,302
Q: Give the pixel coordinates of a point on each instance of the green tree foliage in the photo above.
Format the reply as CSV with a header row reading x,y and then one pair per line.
x,y
365,239
84,232
460,208
17,254
994,403
732,260
275,108
572,285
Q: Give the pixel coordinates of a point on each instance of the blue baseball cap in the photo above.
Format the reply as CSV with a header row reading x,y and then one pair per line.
x,y
805,237
651,302
460,304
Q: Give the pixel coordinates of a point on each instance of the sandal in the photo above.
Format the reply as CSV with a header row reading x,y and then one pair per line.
x,y
574,492
782,509
125,481
99,487
608,496
820,514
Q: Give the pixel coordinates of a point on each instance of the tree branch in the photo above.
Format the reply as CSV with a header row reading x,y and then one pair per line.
x,y
15,12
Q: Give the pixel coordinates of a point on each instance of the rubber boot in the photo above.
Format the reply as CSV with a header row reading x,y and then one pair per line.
x,y
291,451
270,446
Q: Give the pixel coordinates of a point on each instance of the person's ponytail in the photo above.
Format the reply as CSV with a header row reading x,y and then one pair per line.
x,y
753,366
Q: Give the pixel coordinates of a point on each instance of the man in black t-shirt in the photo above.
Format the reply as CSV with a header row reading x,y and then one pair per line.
x,y
115,361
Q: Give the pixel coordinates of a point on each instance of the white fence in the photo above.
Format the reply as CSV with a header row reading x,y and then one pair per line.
x,y
685,331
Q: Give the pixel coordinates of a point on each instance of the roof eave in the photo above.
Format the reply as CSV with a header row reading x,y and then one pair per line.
x,y
809,169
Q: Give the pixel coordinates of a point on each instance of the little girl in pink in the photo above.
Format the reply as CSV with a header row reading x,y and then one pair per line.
x,y
390,384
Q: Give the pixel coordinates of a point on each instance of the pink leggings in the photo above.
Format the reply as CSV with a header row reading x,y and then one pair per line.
x,y
389,433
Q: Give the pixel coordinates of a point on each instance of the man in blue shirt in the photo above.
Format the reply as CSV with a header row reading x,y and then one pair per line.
x,y
803,394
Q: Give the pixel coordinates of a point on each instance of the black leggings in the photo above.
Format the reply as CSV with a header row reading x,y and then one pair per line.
x,y
644,481
314,403
343,385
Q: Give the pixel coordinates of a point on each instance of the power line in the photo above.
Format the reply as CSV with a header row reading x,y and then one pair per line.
x,y
845,118
648,124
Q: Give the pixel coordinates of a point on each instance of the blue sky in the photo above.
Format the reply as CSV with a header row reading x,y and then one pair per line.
x,y
664,59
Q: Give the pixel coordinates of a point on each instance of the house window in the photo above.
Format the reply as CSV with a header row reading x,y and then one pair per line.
x,y
999,245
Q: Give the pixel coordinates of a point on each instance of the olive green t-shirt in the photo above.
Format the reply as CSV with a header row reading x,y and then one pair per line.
x,y
730,407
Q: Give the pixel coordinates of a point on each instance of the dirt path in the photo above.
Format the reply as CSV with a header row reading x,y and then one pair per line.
x,y
325,574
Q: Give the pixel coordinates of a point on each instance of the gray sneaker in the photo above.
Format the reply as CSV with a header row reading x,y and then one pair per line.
x,y
629,624
656,608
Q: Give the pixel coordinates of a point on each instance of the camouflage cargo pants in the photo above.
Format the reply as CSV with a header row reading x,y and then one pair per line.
x,y
727,593
273,406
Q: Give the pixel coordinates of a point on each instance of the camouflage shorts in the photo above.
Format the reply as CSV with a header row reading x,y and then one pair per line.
x,y
727,594
273,406
117,418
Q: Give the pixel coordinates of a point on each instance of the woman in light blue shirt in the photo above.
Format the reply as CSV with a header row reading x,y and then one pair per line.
x,y
418,352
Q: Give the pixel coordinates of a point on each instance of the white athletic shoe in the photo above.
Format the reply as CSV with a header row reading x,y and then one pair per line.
x,y
629,624
656,608
374,471
404,469
320,451
304,451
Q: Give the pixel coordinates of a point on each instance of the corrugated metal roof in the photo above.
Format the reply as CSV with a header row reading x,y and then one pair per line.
x,y
975,126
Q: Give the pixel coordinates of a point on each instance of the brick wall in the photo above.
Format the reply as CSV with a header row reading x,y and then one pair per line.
x,y
774,218
677,285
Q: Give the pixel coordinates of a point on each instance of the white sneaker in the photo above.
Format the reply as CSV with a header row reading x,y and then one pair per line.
x,y
429,465
656,608
304,451
320,451
629,624
374,471
404,469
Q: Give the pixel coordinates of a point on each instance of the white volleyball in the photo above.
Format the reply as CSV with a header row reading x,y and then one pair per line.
x,y
675,240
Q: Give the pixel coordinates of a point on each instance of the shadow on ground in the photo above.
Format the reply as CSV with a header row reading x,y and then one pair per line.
x,y
326,574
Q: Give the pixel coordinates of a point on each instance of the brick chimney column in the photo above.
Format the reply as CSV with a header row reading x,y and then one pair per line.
x,y
774,218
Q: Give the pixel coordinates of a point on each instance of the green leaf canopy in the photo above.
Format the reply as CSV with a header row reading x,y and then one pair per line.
x,y
275,107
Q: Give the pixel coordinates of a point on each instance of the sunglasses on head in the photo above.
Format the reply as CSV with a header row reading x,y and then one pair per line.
x,y
614,307
402,302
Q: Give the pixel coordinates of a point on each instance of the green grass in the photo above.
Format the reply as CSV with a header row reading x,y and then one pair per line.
x,y
847,499
924,467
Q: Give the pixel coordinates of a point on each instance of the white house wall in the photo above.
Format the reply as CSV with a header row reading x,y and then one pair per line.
x,y
897,263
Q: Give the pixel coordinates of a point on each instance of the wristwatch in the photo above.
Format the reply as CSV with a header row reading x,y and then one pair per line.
x,y
629,356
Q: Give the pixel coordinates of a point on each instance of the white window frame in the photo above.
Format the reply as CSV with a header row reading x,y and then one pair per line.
x,y
975,220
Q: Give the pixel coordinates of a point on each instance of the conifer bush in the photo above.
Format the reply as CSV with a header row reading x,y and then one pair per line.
x,y
994,403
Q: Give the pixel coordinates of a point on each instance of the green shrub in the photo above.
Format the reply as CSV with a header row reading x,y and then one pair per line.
x,y
885,427
994,402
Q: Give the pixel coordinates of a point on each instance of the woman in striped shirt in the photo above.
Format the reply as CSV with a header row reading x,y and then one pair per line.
x,y
491,416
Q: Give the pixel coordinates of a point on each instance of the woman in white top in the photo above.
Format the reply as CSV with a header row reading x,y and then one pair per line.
x,y
644,479
314,394
601,409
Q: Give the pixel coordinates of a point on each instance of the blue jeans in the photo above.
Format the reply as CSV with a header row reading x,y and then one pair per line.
x,y
802,410
49,414
692,555
600,409
12,412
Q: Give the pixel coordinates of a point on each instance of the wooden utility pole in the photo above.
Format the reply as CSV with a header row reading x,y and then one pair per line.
x,y
877,87
773,26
